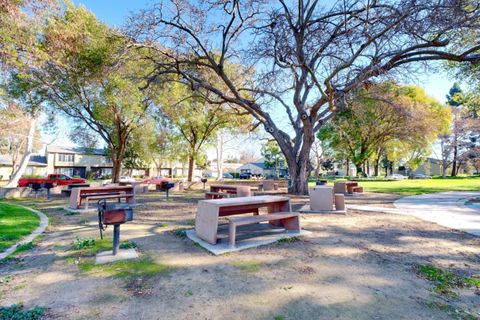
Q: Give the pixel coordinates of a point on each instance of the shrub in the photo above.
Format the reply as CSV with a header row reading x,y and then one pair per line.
x,y
83,243
128,245
182,233
16,312
89,175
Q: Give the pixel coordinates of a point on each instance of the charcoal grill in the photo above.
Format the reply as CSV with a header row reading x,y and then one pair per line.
x,y
113,214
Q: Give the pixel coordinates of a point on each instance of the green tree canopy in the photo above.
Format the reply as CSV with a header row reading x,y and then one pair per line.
x,y
384,115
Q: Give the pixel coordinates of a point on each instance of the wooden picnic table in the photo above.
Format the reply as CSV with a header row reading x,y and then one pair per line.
x,y
228,190
206,220
79,194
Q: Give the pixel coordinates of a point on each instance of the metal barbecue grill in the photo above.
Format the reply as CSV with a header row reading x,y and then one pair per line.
x,y
113,214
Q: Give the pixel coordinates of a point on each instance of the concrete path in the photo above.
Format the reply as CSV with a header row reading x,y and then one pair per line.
x,y
29,238
447,209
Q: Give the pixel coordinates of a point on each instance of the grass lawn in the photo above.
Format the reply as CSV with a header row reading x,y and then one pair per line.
x,y
420,186
15,223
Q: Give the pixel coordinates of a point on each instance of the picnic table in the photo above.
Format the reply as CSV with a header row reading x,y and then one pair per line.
x,y
78,195
206,220
218,191
68,190
347,187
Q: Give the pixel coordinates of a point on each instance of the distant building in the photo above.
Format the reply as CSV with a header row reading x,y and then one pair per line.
x,y
36,166
77,161
228,167
258,168
430,166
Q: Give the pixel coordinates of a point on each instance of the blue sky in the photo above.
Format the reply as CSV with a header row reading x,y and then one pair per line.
x,y
113,12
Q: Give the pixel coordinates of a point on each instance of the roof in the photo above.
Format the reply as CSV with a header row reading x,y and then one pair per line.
x,y
35,160
260,165
433,160
75,150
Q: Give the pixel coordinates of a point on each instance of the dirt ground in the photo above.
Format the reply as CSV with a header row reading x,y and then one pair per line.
x,y
354,266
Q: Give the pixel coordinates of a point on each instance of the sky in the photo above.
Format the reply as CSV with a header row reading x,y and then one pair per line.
x,y
113,12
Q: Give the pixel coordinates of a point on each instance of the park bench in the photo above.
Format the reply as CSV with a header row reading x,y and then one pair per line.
x,y
219,191
289,220
78,195
209,211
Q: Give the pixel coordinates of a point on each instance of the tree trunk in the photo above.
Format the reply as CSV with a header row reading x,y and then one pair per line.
x,y
358,166
454,161
348,167
117,167
26,156
444,169
299,176
117,159
191,164
299,166
219,156
317,169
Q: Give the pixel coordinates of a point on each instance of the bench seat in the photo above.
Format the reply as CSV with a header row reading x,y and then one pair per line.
x,y
218,195
288,220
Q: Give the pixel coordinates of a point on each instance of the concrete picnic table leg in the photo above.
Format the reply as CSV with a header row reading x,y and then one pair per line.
x,y
206,222
75,198
279,207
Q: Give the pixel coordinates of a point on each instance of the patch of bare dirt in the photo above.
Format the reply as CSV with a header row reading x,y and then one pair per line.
x,y
356,266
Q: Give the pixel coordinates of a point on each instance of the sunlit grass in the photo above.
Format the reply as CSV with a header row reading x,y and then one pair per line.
x,y
144,267
248,265
421,186
15,223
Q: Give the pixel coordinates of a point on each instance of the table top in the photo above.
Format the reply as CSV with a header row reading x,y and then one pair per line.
x,y
244,200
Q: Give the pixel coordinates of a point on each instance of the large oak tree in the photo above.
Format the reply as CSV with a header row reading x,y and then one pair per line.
x,y
304,57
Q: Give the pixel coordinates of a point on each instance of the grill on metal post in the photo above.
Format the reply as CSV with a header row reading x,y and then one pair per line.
x,y
113,214
166,186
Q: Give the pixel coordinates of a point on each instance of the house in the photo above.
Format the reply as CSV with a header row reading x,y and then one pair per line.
x,y
430,166
258,168
228,167
37,166
75,161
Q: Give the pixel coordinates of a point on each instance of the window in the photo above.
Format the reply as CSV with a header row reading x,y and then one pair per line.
x,y
65,157
106,159
65,171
